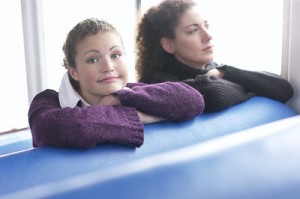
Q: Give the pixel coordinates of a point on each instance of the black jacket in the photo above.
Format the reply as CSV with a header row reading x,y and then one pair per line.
x,y
237,85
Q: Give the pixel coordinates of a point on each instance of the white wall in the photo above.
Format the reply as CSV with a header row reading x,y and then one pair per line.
x,y
292,48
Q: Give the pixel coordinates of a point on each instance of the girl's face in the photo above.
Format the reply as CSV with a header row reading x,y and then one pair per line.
x,y
192,43
101,66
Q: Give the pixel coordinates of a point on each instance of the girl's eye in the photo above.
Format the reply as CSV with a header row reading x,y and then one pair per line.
x,y
116,55
92,61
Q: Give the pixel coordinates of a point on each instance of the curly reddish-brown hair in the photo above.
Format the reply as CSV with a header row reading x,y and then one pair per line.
x,y
159,21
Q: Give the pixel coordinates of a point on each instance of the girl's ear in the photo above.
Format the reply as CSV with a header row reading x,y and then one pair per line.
x,y
167,45
73,72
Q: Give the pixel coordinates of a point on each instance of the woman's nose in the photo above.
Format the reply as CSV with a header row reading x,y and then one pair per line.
x,y
206,36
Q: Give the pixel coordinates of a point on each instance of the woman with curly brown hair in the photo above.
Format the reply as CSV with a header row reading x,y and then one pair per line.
x,y
174,44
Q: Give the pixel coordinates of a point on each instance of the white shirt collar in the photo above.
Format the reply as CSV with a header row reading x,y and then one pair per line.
x,y
67,95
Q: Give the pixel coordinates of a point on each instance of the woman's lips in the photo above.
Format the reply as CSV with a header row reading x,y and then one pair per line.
x,y
208,48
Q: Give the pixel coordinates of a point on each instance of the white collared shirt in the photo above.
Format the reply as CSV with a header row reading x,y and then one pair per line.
x,y
68,96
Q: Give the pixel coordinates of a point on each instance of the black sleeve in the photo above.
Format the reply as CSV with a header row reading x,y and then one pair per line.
x,y
158,77
218,93
261,83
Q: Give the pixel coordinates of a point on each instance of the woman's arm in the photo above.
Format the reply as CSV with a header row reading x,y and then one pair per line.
x,y
261,83
168,100
218,93
82,127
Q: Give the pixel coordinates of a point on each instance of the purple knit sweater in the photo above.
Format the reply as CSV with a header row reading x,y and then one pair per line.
x,y
86,127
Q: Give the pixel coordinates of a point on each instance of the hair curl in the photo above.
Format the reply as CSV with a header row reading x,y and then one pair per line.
x,y
159,21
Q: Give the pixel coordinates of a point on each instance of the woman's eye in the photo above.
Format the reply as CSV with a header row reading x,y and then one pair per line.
x,y
116,55
193,30
92,61
206,26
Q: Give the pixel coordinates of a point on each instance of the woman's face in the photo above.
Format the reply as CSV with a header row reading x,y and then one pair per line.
x,y
192,42
101,67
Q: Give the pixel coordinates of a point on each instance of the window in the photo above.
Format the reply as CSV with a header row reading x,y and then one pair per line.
x,y
13,85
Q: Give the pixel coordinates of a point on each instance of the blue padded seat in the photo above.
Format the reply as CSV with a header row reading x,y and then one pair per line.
x,y
16,141
260,163
32,167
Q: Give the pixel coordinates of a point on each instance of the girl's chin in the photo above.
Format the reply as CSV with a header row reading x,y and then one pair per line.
x,y
112,89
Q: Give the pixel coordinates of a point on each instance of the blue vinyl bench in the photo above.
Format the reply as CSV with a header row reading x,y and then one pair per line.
x,y
258,163
26,168
16,141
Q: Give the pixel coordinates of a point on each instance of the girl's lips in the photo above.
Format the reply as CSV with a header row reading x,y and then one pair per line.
x,y
108,79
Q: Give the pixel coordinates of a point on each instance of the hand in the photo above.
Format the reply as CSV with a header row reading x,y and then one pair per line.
x,y
218,93
109,100
147,119
215,72
126,88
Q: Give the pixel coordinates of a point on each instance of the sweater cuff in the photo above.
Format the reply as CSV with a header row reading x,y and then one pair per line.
x,y
125,96
230,73
126,129
136,131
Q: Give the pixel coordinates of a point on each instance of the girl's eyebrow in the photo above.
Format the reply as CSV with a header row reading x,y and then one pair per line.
x,y
97,51
92,51
116,46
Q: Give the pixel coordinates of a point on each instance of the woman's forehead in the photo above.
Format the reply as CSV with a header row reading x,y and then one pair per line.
x,y
191,16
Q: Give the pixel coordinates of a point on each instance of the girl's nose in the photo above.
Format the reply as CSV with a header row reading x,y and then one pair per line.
x,y
108,66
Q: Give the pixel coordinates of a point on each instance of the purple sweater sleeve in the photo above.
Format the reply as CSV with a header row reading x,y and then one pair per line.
x,y
86,127
82,127
169,100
